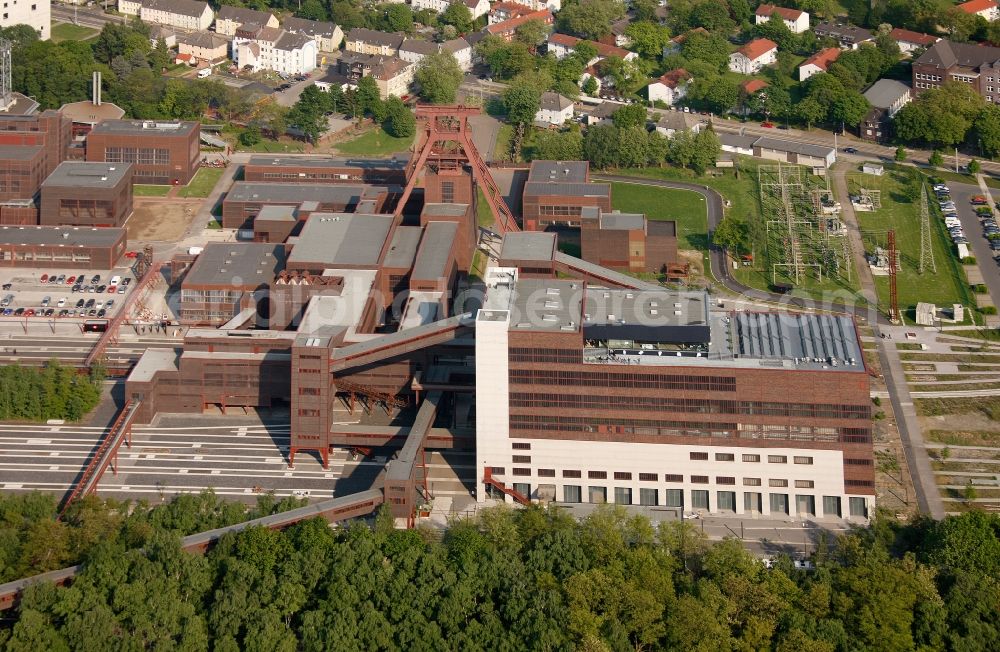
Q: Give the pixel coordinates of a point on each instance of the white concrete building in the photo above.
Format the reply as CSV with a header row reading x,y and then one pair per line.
x,y
434,5
670,87
230,18
817,63
37,14
795,20
328,36
988,9
478,7
268,48
555,109
753,56
538,5
185,14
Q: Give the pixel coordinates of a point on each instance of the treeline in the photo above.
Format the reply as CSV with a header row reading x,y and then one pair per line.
x,y
525,580
32,541
50,392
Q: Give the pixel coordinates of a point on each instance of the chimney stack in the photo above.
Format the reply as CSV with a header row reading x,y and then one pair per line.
x,y
96,93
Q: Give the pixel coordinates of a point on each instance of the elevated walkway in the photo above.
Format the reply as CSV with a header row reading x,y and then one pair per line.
x,y
401,342
589,271
401,473
358,435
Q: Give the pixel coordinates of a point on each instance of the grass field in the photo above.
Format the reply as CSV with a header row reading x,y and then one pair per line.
x,y
685,207
142,190
902,214
502,150
267,146
70,32
202,183
374,143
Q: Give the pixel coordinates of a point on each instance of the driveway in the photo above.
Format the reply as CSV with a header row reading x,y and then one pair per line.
x,y
962,193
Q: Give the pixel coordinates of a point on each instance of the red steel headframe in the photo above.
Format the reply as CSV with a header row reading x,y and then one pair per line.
x,y
449,124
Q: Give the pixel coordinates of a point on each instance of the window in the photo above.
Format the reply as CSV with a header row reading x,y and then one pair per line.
x,y
521,471
499,470
777,459
623,475
308,413
725,480
309,391
699,479
804,484
648,477
859,483
521,459
751,482
673,477
675,498
779,503
831,505
571,474
597,494
802,460
699,456
747,457
858,507
623,496
521,446
805,504
523,488
724,457
649,497
777,483
851,461
546,473
726,501
597,475
699,499
571,493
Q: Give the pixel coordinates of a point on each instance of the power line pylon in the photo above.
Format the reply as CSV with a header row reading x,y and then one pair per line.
x,y
893,296
926,250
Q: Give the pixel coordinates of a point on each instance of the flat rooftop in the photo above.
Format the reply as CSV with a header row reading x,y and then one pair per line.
x,y
19,152
567,188
61,236
298,193
435,251
342,311
145,127
403,248
528,246
559,171
546,305
623,221
278,213
341,239
153,360
236,265
445,210
82,174
398,162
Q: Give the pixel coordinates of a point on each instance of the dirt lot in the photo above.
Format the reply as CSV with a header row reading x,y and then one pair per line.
x,y
157,220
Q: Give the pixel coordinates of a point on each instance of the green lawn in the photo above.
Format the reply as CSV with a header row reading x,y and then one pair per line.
x,y
484,216
375,142
898,212
142,190
683,206
502,150
202,183
267,146
70,32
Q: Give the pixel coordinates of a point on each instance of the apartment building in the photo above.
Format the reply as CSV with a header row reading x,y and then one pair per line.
x,y
229,19
270,48
968,63
183,14
37,14
753,56
795,20
203,46
392,74
328,36
369,41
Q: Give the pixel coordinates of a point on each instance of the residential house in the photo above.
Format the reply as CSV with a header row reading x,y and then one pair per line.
x,y
753,56
478,8
504,11
562,45
555,109
670,87
538,5
988,9
129,7
969,63
817,63
751,86
508,28
230,18
672,122
601,114
203,46
369,41
461,50
413,50
795,20
159,33
676,42
392,75
434,5
185,14
887,97
328,36
848,36
271,48
909,41
617,37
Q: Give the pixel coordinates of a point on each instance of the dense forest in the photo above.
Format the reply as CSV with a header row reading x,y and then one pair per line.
x,y
526,579
50,392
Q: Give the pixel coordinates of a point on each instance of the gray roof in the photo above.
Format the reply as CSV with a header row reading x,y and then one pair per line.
x,y
791,336
375,37
146,127
571,171
183,7
546,305
19,152
729,139
847,33
445,210
454,45
277,213
206,40
403,248
605,109
243,15
419,46
570,189
341,240
81,174
21,105
398,162
677,121
60,236
883,93
236,265
291,41
435,249
528,245
623,221
555,102
818,151
945,54
247,191
153,360
310,27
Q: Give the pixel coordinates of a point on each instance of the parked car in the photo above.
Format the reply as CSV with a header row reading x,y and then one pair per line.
x,y
30,312
89,304
61,302
46,301
850,150
63,313
44,278
101,312
81,303
95,279
61,279
19,312
979,200
7,286
49,312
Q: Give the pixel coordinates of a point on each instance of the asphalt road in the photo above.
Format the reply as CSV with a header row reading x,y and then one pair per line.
x,y
85,16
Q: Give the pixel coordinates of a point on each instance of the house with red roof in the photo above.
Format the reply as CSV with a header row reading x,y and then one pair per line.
x,y
753,56
795,20
506,10
988,9
507,28
751,86
817,63
563,45
910,41
670,87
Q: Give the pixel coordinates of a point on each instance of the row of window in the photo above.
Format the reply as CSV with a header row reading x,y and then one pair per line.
x,y
138,155
524,472
926,77
528,354
620,379
693,405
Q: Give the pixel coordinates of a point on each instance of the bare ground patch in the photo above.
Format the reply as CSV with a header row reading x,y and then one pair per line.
x,y
160,220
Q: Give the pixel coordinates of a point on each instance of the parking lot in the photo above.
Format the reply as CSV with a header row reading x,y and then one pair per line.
x,y
63,293
975,231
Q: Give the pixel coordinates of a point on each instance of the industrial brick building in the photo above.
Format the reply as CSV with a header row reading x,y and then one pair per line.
x,y
224,278
31,146
557,192
161,152
273,169
55,246
628,242
246,199
87,194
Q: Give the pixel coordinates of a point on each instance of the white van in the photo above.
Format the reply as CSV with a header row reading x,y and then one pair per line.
x,y
115,280
204,72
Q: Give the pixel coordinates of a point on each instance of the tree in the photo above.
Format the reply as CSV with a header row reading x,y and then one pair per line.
x,y
532,33
458,16
590,85
722,95
438,77
521,102
936,159
713,16
630,115
590,19
733,235
400,121
712,49
250,136
394,18
850,108
648,38
987,129
810,111
900,154
367,95
556,146
974,167
600,146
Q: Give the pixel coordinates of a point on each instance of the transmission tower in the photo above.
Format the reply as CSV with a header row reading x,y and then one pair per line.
x,y
926,251
893,296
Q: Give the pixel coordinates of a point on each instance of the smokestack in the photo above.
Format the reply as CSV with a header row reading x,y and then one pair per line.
x,y
96,92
